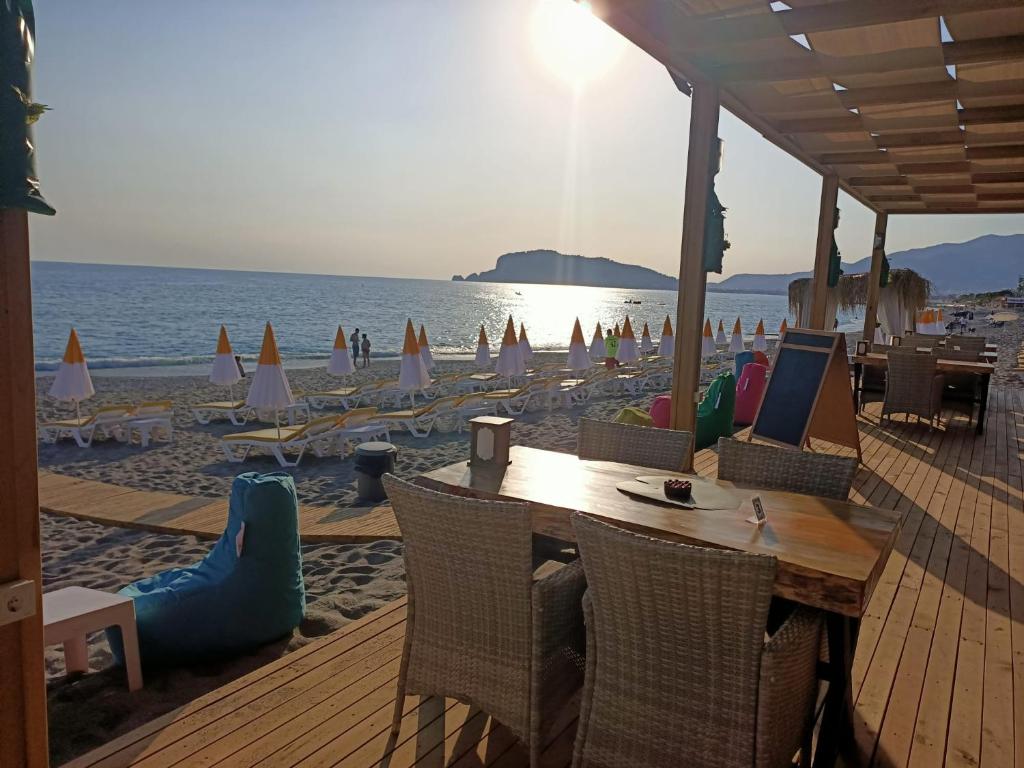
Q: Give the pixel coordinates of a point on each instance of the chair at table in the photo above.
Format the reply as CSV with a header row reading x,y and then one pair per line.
x,y
960,391
679,672
974,344
912,386
781,469
480,627
920,341
644,446
872,382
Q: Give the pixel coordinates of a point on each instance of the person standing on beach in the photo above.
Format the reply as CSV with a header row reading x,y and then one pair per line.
x,y
366,351
353,341
611,350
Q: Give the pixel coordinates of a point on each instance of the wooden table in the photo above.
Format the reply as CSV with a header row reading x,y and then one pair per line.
x,y
880,360
830,553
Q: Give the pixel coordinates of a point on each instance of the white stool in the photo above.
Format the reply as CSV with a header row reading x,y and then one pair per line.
x,y
70,614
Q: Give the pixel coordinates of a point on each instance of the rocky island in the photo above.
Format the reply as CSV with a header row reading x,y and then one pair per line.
x,y
554,268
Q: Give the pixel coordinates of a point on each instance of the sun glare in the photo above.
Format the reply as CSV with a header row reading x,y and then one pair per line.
x,y
572,43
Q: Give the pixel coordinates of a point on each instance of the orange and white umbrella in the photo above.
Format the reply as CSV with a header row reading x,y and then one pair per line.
x,y
510,361
783,327
340,363
707,342
760,342
483,350
940,322
525,350
597,344
646,345
72,381
667,343
412,373
736,342
428,359
579,355
616,332
225,369
720,336
269,388
628,352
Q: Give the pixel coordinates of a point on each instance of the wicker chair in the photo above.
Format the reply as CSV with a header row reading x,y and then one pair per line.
x,y
912,386
872,382
916,340
972,343
960,390
480,628
630,444
678,669
781,469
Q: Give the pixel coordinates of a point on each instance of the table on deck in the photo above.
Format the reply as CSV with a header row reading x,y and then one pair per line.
x,y
880,360
830,553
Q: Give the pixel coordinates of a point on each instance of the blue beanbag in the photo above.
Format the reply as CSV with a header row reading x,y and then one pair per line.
x,y
741,359
227,602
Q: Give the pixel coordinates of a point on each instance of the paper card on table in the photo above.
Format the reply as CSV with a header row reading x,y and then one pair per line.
x,y
759,517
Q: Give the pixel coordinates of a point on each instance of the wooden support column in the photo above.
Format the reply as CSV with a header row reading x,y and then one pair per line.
x,y
826,219
22,682
701,165
877,253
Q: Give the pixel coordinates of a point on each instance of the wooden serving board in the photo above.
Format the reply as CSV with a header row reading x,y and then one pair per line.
x,y
705,494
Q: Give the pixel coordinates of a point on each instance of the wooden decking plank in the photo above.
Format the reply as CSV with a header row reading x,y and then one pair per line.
x,y
1014,418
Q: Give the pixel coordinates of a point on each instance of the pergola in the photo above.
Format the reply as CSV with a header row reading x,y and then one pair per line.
x,y
910,106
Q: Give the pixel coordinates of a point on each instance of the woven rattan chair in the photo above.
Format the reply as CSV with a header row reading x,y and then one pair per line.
x,y
872,382
912,386
973,343
480,628
678,669
631,444
781,469
960,391
919,340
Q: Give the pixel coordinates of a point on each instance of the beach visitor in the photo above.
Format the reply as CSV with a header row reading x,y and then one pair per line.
x,y
238,362
353,342
611,350
366,351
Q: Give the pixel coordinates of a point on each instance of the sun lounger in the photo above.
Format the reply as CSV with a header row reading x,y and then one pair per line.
x,y
109,421
346,397
420,421
441,386
150,419
472,406
514,401
235,411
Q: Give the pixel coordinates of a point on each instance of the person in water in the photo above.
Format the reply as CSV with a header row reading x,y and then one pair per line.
x,y
366,351
353,342
611,350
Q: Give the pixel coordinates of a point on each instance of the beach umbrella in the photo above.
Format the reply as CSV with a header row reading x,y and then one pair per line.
x,y
269,388
412,373
736,342
667,345
616,332
783,327
597,344
525,350
720,336
483,351
72,381
760,342
340,363
510,361
628,352
579,355
940,322
225,369
646,345
707,342
424,345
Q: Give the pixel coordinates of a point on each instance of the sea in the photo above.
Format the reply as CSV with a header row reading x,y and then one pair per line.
x,y
148,321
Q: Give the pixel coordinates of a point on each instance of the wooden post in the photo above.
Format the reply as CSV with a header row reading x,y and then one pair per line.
x,y
22,682
826,220
701,164
877,252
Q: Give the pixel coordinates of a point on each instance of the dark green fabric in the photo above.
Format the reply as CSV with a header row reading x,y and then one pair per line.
x,y
835,263
883,276
716,410
715,244
19,186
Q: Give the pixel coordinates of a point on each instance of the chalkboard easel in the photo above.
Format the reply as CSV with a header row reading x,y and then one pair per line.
x,y
808,393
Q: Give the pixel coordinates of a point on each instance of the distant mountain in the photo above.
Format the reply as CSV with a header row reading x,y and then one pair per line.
x,y
554,268
987,263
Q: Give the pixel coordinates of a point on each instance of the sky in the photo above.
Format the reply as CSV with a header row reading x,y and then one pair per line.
x,y
393,138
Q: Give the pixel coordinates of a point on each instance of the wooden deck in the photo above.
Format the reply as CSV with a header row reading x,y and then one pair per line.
x,y
939,672
174,513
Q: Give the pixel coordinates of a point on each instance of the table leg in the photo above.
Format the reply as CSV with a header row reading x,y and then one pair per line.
x,y
982,404
76,655
857,372
132,663
835,736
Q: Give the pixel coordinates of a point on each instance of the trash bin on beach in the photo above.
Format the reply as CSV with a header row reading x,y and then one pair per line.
x,y
372,461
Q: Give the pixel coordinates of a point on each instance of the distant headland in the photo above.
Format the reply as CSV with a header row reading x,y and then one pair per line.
x,y
554,268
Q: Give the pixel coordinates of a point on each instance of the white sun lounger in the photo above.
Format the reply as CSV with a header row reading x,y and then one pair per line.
x,y
420,421
235,411
109,421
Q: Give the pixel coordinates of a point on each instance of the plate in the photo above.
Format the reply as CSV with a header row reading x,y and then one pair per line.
x,y
705,494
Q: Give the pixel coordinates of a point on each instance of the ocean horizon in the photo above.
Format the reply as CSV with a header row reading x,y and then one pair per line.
x,y
150,320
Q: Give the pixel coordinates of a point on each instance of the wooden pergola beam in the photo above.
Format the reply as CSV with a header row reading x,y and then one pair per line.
x,y
977,179
877,254
823,248
969,116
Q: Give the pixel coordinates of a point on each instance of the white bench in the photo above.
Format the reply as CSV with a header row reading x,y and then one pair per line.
x,y
71,613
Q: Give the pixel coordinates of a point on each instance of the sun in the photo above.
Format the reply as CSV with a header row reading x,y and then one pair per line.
x,y
572,43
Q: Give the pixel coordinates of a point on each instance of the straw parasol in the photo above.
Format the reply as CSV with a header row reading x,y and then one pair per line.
x,y
510,361
736,342
707,343
73,381
628,352
760,342
412,373
579,355
225,370
898,300
269,388
720,337
424,345
483,351
646,345
340,363
597,344
667,344
525,350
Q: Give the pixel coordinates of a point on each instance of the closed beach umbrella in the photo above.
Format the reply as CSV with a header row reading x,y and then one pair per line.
x,y
510,362
483,351
736,342
525,350
616,332
628,352
783,327
667,344
720,337
269,388
579,355
340,363
424,345
225,369
597,344
940,322
646,345
72,381
412,374
760,342
707,342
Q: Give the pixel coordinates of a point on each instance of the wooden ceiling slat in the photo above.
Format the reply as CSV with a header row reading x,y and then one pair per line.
x,y
931,139
1000,196
1000,177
